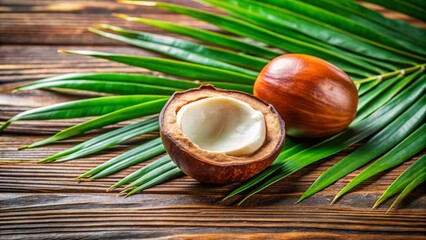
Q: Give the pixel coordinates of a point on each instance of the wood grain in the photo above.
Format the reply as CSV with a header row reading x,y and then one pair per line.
x,y
33,22
44,201
183,214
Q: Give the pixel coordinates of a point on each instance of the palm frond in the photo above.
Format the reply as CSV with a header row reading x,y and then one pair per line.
x,y
380,95
177,68
404,150
122,88
142,171
231,57
166,176
179,53
106,140
356,13
132,112
208,36
357,132
82,108
273,17
348,28
136,155
381,142
384,57
404,179
271,38
404,7
98,82
410,187
266,21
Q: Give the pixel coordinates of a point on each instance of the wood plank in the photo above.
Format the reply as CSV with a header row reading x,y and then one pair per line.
x,y
65,22
44,201
184,214
18,166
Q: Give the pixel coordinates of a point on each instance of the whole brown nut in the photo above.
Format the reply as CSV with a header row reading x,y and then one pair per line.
x,y
314,97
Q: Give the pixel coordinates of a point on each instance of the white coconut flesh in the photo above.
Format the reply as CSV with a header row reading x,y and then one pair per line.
x,y
223,124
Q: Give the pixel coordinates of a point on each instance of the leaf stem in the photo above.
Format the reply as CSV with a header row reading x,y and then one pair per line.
x,y
392,74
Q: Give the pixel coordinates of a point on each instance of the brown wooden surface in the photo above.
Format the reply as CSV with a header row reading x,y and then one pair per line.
x,y
45,202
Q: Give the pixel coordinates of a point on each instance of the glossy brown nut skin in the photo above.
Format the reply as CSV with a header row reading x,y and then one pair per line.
x,y
314,97
225,169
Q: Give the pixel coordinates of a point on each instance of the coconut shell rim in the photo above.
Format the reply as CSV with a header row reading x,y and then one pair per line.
x,y
247,160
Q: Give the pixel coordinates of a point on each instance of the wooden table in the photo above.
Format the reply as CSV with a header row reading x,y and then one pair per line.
x,y
45,202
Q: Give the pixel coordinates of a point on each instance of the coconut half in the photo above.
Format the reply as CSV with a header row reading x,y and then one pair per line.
x,y
220,136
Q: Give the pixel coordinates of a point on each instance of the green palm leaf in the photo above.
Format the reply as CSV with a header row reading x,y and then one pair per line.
x,y
384,140
260,34
128,78
121,88
136,111
210,37
136,155
280,28
232,86
404,179
177,68
349,28
419,3
416,182
403,6
206,36
82,108
142,171
373,123
382,94
154,173
106,140
371,82
166,176
178,53
404,150
240,59
371,95
146,152
357,16
119,78
399,26
249,10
